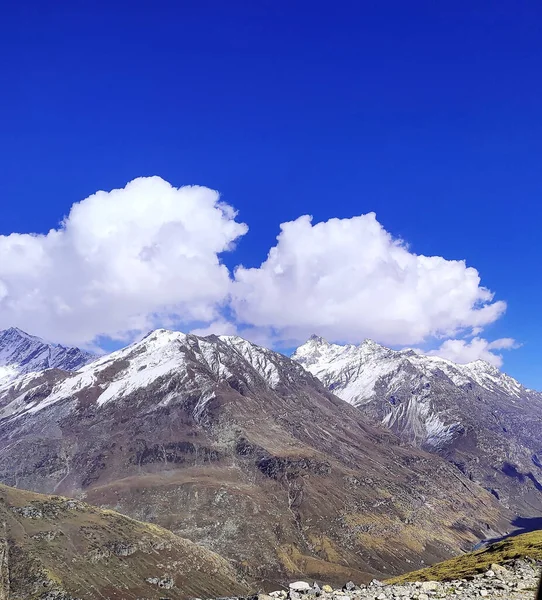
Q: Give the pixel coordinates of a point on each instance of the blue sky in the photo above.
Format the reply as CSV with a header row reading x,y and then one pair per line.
x,y
428,115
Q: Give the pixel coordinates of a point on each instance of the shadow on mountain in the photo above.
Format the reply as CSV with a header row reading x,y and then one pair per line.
x,y
510,470
523,524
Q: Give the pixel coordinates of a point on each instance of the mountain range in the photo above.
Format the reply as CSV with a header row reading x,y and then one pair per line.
x,y
483,421
243,451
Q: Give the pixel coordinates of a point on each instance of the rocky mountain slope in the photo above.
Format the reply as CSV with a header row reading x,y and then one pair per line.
x,y
480,419
57,548
242,450
24,353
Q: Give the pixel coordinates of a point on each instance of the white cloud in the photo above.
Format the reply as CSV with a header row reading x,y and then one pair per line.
x,y
217,327
121,262
461,351
348,279
148,255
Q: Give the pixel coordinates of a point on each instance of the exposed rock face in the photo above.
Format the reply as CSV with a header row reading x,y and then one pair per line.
x,y
24,353
478,418
241,449
85,558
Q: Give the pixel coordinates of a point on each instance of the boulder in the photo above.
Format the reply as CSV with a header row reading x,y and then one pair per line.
x,y
429,586
500,571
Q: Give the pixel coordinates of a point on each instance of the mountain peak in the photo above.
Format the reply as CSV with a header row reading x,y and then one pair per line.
x,y
318,339
483,365
25,353
164,335
13,332
372,345
313,350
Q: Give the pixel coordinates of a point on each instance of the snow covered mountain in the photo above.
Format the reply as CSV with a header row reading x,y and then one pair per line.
x,y
241,449
353,371
196,363
484,421
24,353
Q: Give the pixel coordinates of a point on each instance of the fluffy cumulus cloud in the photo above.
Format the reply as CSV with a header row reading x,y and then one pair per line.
x,y
347,279
121,263
463,351
148,255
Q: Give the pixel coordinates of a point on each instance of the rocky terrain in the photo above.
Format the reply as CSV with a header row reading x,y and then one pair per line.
x,y
483,421
515,581
240,449
55,548
24,353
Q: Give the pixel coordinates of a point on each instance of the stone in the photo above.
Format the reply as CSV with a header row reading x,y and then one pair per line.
x,y
327,589
123,549
500,570
429,586
30,512
300,586
349,586
163,582
484,592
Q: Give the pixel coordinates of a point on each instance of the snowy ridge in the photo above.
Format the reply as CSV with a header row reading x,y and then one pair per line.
x,y
25,353
353,371
404,382
197,363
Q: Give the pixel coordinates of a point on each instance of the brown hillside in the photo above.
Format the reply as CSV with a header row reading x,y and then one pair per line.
x,y
51,544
